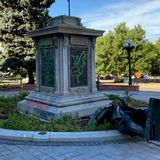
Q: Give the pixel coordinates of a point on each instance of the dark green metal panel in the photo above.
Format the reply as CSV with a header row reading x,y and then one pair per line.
x,y
46,41
48,66
78,66
47,59
152,129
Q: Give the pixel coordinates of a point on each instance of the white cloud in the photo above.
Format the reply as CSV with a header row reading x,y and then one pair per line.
x,y
143,12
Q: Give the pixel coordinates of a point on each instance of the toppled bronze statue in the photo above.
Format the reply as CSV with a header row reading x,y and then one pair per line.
x,y
126,119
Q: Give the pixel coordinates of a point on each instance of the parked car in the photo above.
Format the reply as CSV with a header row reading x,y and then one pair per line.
x,y
145,76
141,75
106,77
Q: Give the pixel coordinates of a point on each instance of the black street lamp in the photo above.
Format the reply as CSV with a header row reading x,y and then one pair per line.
x,y
129,45
69,8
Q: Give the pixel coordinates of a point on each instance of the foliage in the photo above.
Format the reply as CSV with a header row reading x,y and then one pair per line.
x,y
127,95
92,126
25,122
150,61
156,62
17,67
13,65
19,121
111,58
136,103
127,98
157,43
66,123
16,19
8,104
113,96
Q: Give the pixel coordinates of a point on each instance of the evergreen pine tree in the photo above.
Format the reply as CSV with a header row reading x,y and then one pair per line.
x,y
17,17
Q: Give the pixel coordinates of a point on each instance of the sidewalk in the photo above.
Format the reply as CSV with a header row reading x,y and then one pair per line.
x,y
140,95
115,148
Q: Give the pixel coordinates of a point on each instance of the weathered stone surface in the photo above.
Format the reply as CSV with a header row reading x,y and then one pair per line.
x,y
65,70
65,20
49,106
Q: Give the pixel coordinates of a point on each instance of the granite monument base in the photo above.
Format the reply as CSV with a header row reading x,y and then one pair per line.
x,y
46,106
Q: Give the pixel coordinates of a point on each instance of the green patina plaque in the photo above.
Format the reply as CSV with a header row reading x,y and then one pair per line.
x,y
46,41
78,66
47,66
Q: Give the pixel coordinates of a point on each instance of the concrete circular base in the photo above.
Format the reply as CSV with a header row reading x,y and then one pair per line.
x,y
64,137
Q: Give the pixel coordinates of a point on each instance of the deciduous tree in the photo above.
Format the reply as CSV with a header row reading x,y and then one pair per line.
x,y
111,58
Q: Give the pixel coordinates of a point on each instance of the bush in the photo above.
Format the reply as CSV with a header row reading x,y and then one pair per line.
x,y
8,104
66,123
113,96
92,126
136,103
127,99
19,121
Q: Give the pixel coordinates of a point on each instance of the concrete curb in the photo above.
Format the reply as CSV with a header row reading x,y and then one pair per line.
x,y
35,136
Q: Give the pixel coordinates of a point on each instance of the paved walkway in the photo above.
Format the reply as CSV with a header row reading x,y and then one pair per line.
x,y
141,95
128,150
132,150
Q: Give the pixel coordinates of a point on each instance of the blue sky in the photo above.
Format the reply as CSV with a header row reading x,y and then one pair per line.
x,y
107,14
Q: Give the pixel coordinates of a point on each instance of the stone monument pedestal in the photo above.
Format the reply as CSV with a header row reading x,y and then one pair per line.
x,y
48,106
65,70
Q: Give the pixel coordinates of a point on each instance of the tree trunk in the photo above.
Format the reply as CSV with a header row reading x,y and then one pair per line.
x,y
30,76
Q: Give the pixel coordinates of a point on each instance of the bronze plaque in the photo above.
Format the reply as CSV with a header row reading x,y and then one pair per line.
x,y
78,66
48,66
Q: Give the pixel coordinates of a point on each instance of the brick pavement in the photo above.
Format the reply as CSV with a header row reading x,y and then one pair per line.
x,y
131,150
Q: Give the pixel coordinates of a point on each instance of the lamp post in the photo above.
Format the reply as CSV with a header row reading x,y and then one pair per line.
x,y
69,8
129,45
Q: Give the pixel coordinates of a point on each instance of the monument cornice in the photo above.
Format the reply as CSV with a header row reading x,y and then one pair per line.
x,y
66,29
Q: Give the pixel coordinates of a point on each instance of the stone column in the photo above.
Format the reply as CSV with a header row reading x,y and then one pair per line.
x,y
57,62
37,68
64,66
62,82
93,65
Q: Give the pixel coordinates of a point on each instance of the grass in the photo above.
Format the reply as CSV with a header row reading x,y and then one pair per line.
x,y
144,84
9,82
128,99
17,121
150,84
8,104
25,122
66,123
